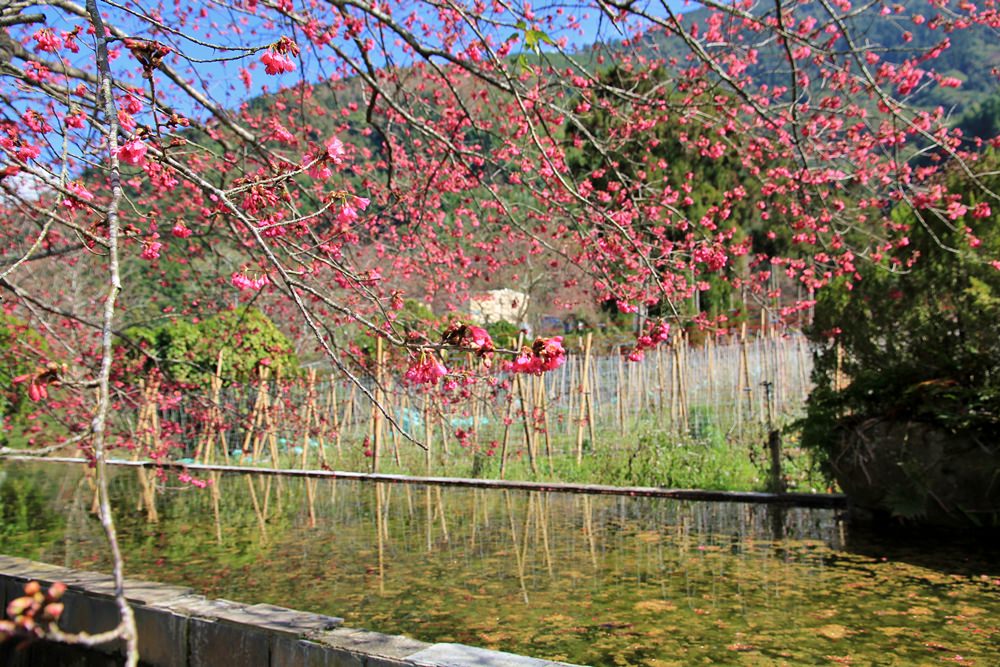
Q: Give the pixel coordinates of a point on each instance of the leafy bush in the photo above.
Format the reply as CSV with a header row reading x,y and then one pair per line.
x,y
916,344
188,352
21,350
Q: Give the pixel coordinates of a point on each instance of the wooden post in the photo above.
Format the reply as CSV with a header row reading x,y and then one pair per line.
x,y
776,480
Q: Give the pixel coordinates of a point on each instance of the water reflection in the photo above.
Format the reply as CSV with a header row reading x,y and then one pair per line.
x,y
588,579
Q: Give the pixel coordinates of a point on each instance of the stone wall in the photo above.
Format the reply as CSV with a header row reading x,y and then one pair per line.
x,y
178,628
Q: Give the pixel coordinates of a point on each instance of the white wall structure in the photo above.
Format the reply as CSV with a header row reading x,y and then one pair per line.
x,y
498,305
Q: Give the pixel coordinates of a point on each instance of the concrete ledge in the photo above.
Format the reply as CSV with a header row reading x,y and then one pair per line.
x,y
180,629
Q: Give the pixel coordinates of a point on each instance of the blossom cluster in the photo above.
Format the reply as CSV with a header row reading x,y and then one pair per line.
x,y
276,63
133,152
242,281
545,354
469,336
658,333
426,371
39,381
31,614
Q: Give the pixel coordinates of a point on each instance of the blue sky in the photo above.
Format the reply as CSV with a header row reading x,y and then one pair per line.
x,y
216,71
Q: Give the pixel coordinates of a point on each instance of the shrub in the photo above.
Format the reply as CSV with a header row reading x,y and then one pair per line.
x,y
188,352
909,359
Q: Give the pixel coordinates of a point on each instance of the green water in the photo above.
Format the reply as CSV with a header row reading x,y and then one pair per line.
x,y
595,580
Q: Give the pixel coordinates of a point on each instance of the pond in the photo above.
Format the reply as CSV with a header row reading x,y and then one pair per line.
x,y
598,580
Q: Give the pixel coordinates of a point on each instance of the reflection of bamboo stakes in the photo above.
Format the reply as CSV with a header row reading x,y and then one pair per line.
x,y
311,497
444,522
261,523
526,529
486,510
409,500
517,550
216,478
267,496
542,507
379,520
387,503
588,529
584,400
429,527
472,536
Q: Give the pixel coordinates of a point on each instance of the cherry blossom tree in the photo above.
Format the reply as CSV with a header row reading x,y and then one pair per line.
x,y
328,160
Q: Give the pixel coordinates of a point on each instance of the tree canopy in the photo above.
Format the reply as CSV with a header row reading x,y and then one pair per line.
x,y
326,161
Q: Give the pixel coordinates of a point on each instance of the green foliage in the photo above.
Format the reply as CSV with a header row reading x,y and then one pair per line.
x,y
917,344
502,331
27,519
982,119
21,348
188,352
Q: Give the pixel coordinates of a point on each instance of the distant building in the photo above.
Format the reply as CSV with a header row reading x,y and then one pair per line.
x,y
499,305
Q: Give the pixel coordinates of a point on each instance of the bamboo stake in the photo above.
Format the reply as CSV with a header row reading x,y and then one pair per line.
x,y
335,411
543,404
584,398
621,393
376,413
506,433
428,432
528,424
660,382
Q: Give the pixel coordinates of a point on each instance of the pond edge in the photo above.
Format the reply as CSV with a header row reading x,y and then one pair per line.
x,y
178,628
821,500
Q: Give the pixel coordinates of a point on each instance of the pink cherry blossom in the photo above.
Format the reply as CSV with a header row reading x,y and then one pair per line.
x,y
426,371
180,230
151,248
133,152
277,63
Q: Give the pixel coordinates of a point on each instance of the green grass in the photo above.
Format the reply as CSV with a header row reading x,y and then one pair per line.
x,y
646,455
